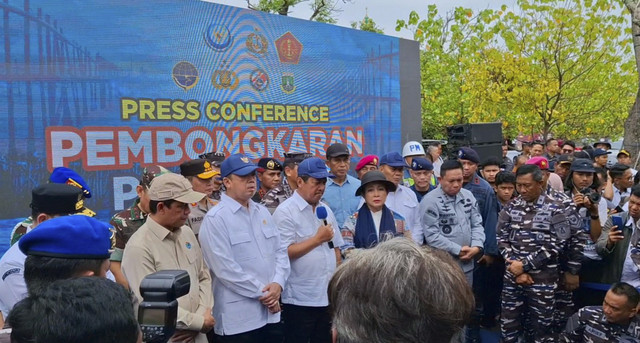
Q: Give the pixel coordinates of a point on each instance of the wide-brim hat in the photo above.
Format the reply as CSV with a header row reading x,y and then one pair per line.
x,y
375,176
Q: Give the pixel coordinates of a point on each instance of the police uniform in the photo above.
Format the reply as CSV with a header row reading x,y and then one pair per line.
x,y
59,175
242,248
591,325
451,222
202,169
266,163
52,199
420,163
534,233
216,158
128,221
279,194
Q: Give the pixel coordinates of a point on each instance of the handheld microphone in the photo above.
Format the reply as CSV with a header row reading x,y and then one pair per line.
x,y
322,214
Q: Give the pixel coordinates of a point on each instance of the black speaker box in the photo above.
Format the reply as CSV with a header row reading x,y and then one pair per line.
x,y
484,150
470,134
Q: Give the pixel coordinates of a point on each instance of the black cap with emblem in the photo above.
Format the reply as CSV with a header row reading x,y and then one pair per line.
x,y
57,198
268,163
291,158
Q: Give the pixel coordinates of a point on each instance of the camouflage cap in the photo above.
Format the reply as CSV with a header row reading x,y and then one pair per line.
x,y
151,172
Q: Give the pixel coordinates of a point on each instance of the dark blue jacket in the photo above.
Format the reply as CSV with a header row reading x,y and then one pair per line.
x,y
488,206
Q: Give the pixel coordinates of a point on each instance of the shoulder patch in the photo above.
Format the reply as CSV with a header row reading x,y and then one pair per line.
x,y
9,272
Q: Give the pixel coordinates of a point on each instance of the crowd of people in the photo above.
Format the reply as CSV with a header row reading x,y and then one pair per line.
x,y
416,248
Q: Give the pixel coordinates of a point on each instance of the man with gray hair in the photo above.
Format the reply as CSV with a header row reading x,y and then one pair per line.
x,y
414,294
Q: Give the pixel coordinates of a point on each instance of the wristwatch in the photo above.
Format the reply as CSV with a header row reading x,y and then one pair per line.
x,y
526,267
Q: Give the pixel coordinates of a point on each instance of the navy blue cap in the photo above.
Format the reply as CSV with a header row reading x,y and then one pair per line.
x,y
238,164
58,199
582,165
70,177
466,153
420,163
69,237
392,159
600,152
315,168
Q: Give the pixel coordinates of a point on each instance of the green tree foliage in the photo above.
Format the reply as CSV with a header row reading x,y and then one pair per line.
x,y
322,10
367,24
549,66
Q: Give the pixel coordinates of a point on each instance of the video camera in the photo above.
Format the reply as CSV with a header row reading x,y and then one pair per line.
x,y
158,312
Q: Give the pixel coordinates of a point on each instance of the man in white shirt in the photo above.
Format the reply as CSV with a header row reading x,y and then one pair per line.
x,y
313,247
622,179
249,265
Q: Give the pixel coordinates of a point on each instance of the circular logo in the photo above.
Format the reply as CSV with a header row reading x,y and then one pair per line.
x,y
446,229
218,37
185,75
259,80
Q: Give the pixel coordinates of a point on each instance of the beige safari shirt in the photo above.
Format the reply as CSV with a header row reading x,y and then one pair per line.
x,y
153,248
198,211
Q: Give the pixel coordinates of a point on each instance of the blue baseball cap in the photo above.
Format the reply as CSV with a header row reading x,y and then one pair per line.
x,y
315,168
238,164
70,177
73,237
466,153
420,163
600,152
392,159
582,165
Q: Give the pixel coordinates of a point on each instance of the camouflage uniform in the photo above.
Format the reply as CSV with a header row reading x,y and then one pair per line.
x,y
590,325
277,196
20,229
534,233
198,211
570,257
126,222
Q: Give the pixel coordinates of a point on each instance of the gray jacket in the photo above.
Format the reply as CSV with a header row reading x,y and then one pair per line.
x,y
449,223
614,258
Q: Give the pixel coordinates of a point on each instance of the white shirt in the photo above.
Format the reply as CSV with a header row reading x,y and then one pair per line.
x,y
377,218
12,285
242,248
630,272
405,202
310,274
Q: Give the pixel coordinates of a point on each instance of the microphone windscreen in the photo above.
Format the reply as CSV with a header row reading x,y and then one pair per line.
x,y
321,212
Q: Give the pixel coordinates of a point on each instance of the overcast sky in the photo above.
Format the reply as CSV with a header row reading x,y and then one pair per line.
x,y
384,12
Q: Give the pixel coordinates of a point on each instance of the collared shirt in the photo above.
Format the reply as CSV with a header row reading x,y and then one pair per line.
x,y
153,248
630,271
488,207
310,274
125,223
12,285
405,202
589,324
20,230
198,211
620,195
342,199
243,251
451,222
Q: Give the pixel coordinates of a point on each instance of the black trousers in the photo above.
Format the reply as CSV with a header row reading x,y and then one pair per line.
x,y
304,324
270,333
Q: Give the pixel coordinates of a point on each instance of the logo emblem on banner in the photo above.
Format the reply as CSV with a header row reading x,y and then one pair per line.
x,y
257,44
185,75
218,37
259,80
225,78
287,84
289,48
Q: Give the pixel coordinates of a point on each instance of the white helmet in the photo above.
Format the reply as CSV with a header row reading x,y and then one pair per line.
x,y
412,148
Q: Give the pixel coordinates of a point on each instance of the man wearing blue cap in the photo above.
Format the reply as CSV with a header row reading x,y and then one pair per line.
x,y
403,200
47,201
59,175
313,248
422,170
249,265
164,242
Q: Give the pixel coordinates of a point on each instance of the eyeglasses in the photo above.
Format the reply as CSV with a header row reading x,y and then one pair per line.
x,y
567,151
